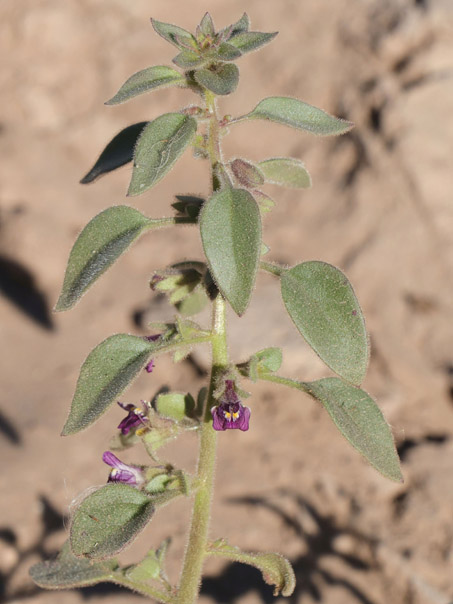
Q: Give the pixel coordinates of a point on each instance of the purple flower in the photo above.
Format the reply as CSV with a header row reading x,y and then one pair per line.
x,y
122,472
230,413
149,368
135,417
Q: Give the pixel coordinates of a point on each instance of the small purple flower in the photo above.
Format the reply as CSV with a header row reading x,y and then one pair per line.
x,y
122,472
149,368
230,413
135,417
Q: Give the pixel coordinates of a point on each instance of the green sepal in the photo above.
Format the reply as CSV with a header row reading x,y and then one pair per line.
x,y
106,372
108,520
151,78
286,172
276,569
67,571
160,145
206,26
297,114
117,153
177,36
247,174
221,78
261,364
251,40
194,302
322,304
230,226
265,203
103,240
176,406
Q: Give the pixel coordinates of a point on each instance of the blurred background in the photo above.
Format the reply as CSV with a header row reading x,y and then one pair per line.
x,y
380,209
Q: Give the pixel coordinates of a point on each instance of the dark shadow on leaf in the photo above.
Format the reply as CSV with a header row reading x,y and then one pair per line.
x,y
117,153
18,285
230,585
9,431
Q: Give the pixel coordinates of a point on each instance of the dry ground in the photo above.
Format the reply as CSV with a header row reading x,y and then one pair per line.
x,y
380,208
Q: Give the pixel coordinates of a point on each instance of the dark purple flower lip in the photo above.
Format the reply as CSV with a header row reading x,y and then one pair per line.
x,y
122,472
150,366
135,417
230,413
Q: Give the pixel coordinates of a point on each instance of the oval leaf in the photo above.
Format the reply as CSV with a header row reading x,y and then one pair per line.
x,y
251,40
108,520
299,115
145,80
360,420
276,569
160,145
177,36
67,571
246,173
118,152
106,372
230,227
102,241
188,59
285,171
227,52
220,79
323,306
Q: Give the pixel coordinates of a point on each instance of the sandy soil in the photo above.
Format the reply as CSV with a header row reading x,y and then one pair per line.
x,y
380,208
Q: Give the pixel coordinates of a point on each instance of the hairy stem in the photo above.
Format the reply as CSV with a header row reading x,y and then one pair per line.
x,y
198,537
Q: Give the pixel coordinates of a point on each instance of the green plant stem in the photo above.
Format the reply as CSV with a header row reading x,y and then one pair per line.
x,y
143,588
277,379
198,536
272,268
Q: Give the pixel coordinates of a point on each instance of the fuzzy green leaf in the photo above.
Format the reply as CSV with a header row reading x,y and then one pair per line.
x,y
207,25
160,145
177,36
117,153
296,114
360,420
246,173
67,571
321,302
230,227
285,171
227,52
236,28
145,80
189,59
104,239
276,569
221,79
106,372
251,40
108,520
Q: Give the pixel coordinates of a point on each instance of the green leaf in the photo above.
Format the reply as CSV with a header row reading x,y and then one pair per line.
x,y
160,145
106,372
246,173
285,171
230,226
251,40
151,567
276,569
99,245
193,303
321,302
360,420
108,520
262,363
207,25
177,36
175,405
117,153
227,52
145,80
189,59
67,571
299,115
221,79
236,28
